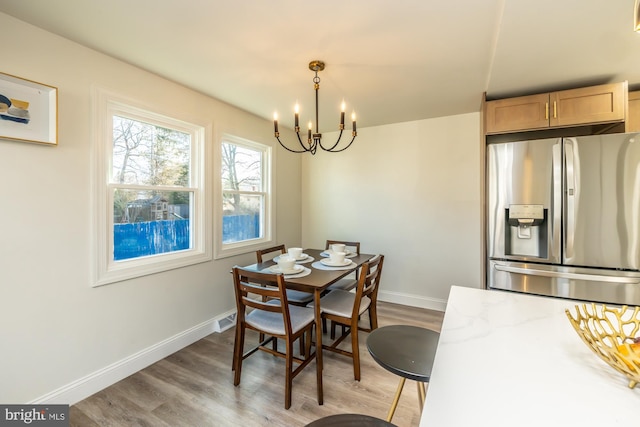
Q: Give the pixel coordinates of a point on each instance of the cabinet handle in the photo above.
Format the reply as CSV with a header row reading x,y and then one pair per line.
x,y
555,110
546,111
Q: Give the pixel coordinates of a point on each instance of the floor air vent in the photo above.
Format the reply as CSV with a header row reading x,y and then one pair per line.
x,y
225,323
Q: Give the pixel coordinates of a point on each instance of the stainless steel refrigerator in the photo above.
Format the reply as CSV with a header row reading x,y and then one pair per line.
x,y
564,217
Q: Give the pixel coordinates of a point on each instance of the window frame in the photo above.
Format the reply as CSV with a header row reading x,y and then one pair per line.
x,y
105,269
224,250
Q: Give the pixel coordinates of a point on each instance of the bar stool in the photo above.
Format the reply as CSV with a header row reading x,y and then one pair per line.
x,y
350,420
407,351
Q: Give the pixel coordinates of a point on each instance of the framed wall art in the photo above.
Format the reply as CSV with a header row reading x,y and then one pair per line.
x,y
28,110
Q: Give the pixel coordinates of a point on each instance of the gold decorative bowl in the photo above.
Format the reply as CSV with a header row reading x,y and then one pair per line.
x,y
611,334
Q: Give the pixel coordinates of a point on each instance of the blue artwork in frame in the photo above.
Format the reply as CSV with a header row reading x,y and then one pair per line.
x,y
28,110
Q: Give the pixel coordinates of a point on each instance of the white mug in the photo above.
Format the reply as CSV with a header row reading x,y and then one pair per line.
x,y
337,257
286,263
295,253
338,247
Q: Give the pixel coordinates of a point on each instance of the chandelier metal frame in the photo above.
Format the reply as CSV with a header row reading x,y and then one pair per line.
x,y
314,140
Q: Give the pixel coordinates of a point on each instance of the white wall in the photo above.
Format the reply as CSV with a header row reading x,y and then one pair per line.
x,y
410,191
60,338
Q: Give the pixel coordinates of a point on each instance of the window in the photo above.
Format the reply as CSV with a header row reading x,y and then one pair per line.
x,y
245,220
150,191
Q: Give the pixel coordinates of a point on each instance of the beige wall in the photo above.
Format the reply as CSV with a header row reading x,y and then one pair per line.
x,y
410,191
56,331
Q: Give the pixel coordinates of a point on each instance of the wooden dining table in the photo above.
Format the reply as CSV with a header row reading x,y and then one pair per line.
x,y
316,283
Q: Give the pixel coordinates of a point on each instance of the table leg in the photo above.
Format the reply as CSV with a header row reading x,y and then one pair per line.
x,y
394,405
318,315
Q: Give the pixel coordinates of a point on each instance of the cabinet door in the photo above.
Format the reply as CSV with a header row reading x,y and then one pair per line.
x,y
516,114
633,115
595,104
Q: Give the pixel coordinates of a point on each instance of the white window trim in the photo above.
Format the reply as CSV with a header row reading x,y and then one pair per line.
x,y
224,250
104,270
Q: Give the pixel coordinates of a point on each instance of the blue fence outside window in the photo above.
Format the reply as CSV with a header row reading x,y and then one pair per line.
x,y
157,237
236,228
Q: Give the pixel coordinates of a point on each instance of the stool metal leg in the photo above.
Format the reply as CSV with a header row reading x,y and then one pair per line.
x,y
394,405
421,394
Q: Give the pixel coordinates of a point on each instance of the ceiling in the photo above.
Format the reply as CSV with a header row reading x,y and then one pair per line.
x,y
391,61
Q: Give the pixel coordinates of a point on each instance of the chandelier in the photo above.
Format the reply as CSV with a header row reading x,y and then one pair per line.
x,y
314,140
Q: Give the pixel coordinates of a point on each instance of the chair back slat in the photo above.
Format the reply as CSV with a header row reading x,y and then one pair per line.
x,y
260,253
265,292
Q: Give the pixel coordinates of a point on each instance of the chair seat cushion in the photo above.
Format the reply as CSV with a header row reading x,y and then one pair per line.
x,y
299,296
273,323
344,284
340,303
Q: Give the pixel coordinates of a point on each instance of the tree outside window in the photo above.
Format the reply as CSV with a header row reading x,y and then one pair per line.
x,y
245,195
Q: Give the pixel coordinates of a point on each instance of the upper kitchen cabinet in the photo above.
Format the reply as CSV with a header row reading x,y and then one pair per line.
x,y
566,108
633,115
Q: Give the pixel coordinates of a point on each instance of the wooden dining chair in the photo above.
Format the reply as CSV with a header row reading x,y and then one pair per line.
x,y
345,308
346,283
294,297
352,246
272,316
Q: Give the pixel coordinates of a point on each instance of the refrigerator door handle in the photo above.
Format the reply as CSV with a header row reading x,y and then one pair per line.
x,y
577,276
570,197
556,208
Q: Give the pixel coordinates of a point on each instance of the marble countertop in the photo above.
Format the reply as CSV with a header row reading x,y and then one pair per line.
x,y
508,359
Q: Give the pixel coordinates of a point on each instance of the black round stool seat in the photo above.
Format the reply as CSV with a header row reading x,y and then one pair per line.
x,y
350,420
405,350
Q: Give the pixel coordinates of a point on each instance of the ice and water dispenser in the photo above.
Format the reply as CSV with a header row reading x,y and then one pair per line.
x,y
526,231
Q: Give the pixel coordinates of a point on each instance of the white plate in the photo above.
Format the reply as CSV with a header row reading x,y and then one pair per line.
x,y
295,270
348,253
330,263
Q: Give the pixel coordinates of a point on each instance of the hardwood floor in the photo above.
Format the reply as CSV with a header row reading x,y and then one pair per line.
x,y
194,386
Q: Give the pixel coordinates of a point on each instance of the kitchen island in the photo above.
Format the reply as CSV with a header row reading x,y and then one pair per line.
x,y
509,359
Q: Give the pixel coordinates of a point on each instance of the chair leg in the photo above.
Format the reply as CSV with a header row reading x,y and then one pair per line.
x,y
289,374
373,316
302,341
355,350
318,368
238,355
307,344
394,405
235,348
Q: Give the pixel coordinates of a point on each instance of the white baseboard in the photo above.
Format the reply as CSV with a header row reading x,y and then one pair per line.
x,y
412,300
84,387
